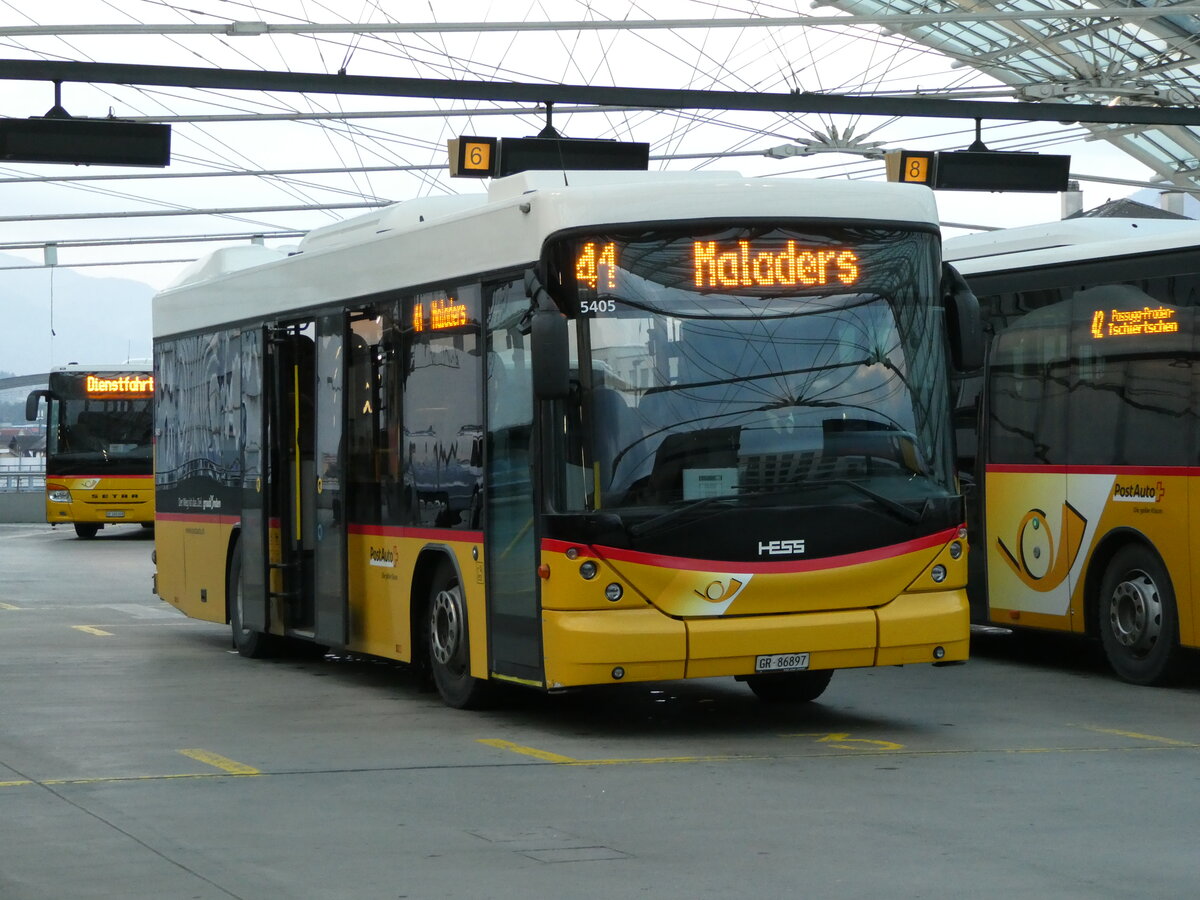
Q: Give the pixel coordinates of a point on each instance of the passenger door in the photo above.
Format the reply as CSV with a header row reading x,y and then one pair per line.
x,y
514,621
327,486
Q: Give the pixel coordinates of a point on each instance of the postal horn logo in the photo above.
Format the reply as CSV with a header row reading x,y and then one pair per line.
x,y
1041,560
720,592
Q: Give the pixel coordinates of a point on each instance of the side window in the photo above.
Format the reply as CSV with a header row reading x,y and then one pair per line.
x,y
1131,390
443,410
365,437
1028,389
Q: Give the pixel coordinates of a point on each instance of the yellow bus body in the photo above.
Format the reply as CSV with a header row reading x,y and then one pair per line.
x,y
101,500
1048,527
885,608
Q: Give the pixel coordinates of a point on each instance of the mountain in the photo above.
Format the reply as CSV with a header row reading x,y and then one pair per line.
x,y
95,320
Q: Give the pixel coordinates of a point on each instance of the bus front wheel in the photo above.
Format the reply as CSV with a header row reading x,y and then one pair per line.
x,y
448,635
790,687
86,530
1138,622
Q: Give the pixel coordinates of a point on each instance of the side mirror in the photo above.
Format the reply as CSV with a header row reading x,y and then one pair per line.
x,y
31,404
550,341
963,319
551,355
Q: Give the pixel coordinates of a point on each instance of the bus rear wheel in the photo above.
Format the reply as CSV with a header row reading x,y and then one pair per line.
x,y
248,642
448,635
86,530
790,687
1138,622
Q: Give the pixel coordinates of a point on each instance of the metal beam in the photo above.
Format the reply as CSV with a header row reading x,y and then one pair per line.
x,y
659,98
222,211
157,239
17,381
254,29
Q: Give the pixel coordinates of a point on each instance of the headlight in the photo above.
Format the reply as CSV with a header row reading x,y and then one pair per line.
x,y
59,496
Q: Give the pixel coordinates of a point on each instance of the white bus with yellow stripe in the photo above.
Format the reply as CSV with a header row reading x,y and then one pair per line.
x,y
1087,440
587,428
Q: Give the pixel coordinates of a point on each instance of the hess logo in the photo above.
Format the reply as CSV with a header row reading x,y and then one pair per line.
x,y
781,547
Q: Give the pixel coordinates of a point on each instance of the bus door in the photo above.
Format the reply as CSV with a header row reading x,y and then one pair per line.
x,y
510,533
328,500
1031,529
289,479
254,532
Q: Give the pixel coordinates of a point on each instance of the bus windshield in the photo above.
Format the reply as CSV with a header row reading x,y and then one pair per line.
x,y
758,366
102,425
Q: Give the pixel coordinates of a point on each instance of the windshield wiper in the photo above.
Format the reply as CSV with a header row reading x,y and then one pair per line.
x,y
671,515
893,506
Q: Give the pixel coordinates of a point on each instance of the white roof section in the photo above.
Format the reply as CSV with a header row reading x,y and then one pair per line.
x,y
133,365
425,242
1066,241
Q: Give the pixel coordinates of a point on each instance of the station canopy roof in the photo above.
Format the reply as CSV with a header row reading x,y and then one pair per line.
x,y
1121,52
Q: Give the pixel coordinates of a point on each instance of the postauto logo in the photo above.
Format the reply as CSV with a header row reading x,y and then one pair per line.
x,y
1138,493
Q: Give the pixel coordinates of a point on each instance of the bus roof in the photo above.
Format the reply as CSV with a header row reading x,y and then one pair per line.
x,y
1069,240
424,241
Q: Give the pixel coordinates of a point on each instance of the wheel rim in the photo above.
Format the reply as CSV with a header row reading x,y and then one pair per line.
x,y
1135,612
446,628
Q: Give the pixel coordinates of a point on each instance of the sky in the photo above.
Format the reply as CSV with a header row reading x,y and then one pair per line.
x,y
42,204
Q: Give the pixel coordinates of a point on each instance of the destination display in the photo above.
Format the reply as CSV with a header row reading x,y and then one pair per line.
x,y
710,265
114,387
1134,322
439,314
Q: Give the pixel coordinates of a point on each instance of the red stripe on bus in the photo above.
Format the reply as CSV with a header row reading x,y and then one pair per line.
x,y
106,477
1091,470
791,565
203,518
407,531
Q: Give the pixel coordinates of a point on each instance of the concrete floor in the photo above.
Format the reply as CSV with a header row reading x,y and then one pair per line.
x,y
140,758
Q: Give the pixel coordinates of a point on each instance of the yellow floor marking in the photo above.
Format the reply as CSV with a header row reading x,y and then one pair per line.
x,y
651,760
842,741
221,762
115,779
92,629
547,756
8,606
543,755
1140,737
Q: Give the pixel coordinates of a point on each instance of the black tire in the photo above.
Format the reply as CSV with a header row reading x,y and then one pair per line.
x,y
86,530
790,687
247,642
1137,618
447,635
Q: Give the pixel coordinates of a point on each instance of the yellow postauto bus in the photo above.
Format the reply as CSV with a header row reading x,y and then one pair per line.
x,y
1087,435
585,428
99,445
